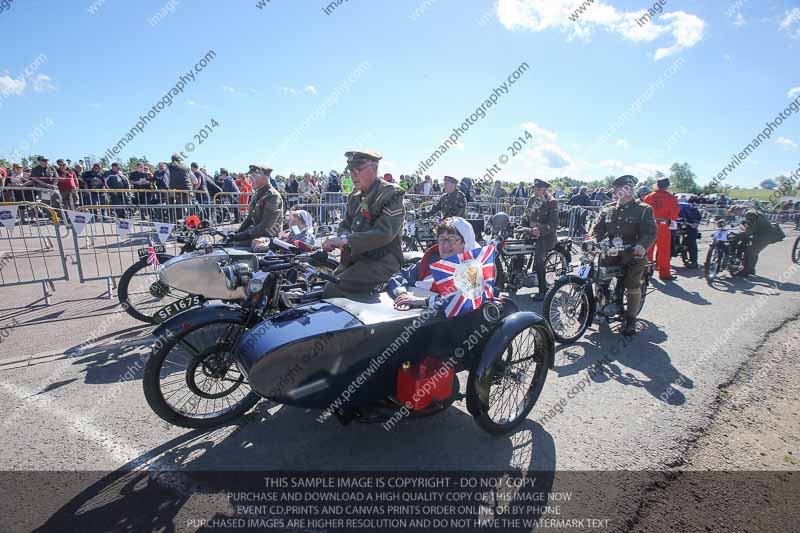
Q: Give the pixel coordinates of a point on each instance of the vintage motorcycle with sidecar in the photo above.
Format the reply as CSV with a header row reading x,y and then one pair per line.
x,y
353,360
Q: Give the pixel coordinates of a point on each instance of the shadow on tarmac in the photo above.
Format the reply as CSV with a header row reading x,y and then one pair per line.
x,y
192,473
605,355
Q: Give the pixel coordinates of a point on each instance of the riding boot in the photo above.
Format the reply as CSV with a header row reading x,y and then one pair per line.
x,y
633,301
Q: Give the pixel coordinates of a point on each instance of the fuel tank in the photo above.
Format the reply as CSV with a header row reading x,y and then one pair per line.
x,y
198,273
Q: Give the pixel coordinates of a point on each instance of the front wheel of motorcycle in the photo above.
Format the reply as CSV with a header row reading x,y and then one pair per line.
x,y
568,309
503,396
191,379
140,292
714,260
556,265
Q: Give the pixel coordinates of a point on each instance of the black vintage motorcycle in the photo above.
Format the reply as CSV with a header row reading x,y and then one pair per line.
x,y
514,257
353,360
594,290
680,242
726,252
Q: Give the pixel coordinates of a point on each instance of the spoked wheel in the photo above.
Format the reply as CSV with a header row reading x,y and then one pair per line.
x,y
568,310
714,263
796,251
140,292
555,266
505,393
192,381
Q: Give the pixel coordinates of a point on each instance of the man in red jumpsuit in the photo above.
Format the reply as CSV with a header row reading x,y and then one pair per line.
x,y
666,209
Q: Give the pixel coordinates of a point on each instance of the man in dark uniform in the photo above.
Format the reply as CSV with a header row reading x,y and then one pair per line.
x,y
633,222
265,210
369,234
541,221
760,229
179,179
452,203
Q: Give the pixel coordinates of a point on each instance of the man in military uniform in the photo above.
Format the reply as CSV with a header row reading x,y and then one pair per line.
x,y
265,210
760,229
633,222
369,234
541,222
452,203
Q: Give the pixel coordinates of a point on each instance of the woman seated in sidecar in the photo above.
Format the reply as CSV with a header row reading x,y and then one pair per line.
x,y
301,228
454,235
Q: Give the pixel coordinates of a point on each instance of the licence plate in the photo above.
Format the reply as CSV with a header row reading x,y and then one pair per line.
x,y
159,249
584,271
177,307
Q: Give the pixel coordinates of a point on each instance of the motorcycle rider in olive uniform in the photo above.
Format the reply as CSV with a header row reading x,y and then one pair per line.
x,y
265,210
541,221
757,226
369,234
452,203
633,222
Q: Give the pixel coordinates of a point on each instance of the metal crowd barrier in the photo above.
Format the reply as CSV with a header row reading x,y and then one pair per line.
x,y
27,251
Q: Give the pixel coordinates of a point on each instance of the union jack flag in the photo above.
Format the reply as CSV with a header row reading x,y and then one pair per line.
x,y
152,256
466,279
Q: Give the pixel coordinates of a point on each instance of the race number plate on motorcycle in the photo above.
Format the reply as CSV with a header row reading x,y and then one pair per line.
x,y
584,271
721,235
177,307
159,249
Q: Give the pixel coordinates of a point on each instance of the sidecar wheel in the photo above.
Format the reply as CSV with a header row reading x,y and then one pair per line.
x,y
193,369
514,381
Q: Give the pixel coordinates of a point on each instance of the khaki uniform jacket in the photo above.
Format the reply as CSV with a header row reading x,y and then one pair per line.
x,y
373,222
542,213
633,222
452,204
263,214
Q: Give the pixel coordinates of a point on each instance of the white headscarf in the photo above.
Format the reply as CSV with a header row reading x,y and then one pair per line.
x,y
307,220
467,233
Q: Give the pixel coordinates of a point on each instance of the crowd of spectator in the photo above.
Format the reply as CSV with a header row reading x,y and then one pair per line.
x,y
66,185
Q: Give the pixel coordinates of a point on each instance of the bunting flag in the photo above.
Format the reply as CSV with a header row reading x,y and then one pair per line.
x,y
163,231
124,227
8,216
79,219
466,279
152,256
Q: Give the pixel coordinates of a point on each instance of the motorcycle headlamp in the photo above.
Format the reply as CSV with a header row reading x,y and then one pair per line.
x,y
255,286
236,275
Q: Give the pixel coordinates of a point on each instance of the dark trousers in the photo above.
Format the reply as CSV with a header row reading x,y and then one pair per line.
x,y
543,246
751,256
692,236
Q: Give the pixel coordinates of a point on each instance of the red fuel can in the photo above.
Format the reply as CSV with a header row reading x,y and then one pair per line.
x,y
420,383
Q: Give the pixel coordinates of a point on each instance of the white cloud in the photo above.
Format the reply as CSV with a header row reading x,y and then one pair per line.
x,y
727,57
192,102
786,143
550,155
791,94
252,91
458,145
9,85
311,89
640,170
288,90
539,15
622,143
791,23
739,19
228,89
43,83
539,133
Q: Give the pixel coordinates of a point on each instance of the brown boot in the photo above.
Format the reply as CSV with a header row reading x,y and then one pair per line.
x,y
633,301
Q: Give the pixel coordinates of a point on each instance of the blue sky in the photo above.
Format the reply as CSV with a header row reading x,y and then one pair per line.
x,y
294,87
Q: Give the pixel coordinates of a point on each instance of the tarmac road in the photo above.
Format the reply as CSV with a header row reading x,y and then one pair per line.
x,y
71,399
